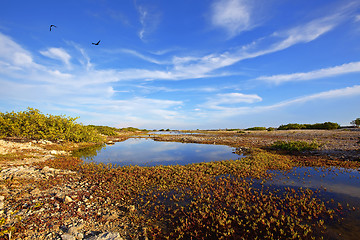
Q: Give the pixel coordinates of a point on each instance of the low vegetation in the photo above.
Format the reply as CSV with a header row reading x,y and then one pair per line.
x,y
210,200
33,124
295,146
356,122
326,125
105,130
256,128
132,129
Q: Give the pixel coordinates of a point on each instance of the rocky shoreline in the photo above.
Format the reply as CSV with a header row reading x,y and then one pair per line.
x,y
46,202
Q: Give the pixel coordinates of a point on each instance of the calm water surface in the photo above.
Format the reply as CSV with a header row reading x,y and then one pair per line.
x,y
341,185
147,152
173,133
338,184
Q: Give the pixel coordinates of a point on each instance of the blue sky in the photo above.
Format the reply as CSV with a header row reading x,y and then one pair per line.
x,y
183,64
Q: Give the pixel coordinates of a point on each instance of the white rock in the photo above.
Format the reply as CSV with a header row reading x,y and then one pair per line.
x,y
68,199
67,237
107,236
2,198
53,152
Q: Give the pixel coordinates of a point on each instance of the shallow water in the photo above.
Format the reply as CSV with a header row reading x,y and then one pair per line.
x,y
172,133
337,184
330,179
147,152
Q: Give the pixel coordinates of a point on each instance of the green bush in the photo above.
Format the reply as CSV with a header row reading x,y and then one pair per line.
x,y
35,125
295,146
291,126
325,125
256,128
105,130
130,129
356,122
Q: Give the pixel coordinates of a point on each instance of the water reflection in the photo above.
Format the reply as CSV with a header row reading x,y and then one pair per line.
x,y
146,152
332,179
173,133
338,184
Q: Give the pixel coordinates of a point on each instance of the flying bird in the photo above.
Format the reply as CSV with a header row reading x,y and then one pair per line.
x,y
51,26
96,43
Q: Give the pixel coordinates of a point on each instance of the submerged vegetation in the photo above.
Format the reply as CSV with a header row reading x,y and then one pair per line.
x,y
212,200
33,124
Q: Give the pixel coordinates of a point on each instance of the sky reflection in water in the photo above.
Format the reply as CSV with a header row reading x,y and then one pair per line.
x,y
341,185
334,180
146,152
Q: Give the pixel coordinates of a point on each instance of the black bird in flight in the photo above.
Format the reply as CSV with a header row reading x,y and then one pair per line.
x,y
96,43
51,26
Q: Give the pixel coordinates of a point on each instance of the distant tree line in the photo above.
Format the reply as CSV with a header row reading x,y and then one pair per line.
x,y
256,128
105,130
325,125
356,122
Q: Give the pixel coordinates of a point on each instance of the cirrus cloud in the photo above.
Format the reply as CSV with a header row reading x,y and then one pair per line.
x,y
232,15
316,74
57,54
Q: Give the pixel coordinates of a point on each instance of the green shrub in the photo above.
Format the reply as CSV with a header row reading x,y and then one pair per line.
x,y
35,125
295,145
130,129
356,122
105,130
291,126
256,128
325,125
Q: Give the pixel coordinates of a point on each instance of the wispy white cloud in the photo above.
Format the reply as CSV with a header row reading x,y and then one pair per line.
x,y
197,67
142,56
143,15
233,110
57,54
189,67
148,18
316,74
235,16
178,68
81,87
332,94
90,88
13,54
219,101
83,59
